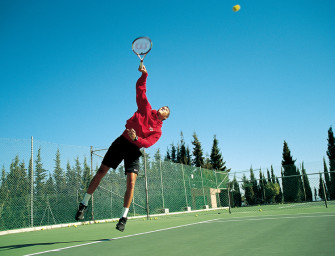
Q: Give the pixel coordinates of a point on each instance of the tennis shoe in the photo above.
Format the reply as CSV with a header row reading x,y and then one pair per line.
x,y
121,224
81,211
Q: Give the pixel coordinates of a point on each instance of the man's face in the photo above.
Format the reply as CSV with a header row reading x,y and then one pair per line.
x,y
163,112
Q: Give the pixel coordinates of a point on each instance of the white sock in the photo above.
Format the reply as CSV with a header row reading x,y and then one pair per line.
x,y
87,197
125,212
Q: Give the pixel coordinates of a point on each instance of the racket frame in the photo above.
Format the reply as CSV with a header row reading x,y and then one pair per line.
x,y
142,54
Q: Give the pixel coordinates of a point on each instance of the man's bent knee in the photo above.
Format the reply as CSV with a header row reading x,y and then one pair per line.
x,y
102,170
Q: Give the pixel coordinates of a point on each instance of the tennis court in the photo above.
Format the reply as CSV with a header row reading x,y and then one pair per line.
x,y
285,232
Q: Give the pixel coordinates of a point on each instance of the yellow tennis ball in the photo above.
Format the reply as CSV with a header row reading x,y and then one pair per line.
x,y
236,8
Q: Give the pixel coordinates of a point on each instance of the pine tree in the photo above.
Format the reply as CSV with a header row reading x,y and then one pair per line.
x,y
198,159
291,180
331,156
188,156
4,196
183,155
18,195
207,162
40,175
70,180
216,158
168,156
59,175
86,175
78,175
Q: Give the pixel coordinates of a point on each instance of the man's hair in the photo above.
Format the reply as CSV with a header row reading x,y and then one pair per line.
x,y
169,111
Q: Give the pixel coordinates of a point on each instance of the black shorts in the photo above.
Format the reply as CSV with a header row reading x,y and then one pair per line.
x,y
122,149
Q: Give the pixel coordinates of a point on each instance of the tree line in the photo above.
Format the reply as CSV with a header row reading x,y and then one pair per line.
x,y
295,186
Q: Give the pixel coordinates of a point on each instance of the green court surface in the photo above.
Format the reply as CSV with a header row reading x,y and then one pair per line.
x,y
286,232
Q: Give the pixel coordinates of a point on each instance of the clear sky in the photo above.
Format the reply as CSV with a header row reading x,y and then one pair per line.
x,y
253,78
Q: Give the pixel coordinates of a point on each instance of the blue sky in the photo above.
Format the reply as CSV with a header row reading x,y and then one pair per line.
x,y
253,78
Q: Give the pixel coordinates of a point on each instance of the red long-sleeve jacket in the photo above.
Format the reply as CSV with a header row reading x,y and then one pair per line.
x,y
144,121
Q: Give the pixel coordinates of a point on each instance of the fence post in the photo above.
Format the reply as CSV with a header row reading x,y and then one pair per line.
x,y
92,197
202,184
32,183
160,168
182,169
146,183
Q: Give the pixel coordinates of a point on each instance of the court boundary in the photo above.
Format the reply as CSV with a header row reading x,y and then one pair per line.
x,y
220,220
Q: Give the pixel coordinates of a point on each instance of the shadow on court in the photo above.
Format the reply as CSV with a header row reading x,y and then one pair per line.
x,y
20,246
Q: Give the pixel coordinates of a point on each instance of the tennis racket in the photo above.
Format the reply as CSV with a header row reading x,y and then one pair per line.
x,y
141,46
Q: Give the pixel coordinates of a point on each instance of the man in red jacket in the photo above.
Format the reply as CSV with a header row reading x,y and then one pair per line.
x,y
143,129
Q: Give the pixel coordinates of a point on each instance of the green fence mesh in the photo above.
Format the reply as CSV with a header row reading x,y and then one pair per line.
x,y
61,175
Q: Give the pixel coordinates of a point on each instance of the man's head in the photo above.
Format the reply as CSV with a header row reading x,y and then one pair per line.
x,y
163,113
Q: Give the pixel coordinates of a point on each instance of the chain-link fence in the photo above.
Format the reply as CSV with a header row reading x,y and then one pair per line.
x,y
281,193
42,184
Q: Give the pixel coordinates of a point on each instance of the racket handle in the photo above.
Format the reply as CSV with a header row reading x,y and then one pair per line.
x,y
141,64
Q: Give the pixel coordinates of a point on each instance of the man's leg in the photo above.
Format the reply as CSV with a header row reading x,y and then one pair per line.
x,y
128,197
91,188
97,178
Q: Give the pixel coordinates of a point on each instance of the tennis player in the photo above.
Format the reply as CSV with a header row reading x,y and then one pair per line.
x,y
143,129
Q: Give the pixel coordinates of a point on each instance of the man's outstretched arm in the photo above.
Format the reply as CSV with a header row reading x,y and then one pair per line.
x,y
141,89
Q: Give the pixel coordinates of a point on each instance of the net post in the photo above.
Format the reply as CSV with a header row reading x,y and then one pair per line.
x,y
229,198
324,191
32,183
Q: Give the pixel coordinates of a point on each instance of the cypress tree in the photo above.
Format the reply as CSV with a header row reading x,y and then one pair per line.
x,y
307,186
291,180
255,189
279,197
269,176
173,154
273,177
327,178
183,153
248,191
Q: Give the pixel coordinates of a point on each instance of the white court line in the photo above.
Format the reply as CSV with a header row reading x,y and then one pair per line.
x,y
273,218
233,219
120,237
